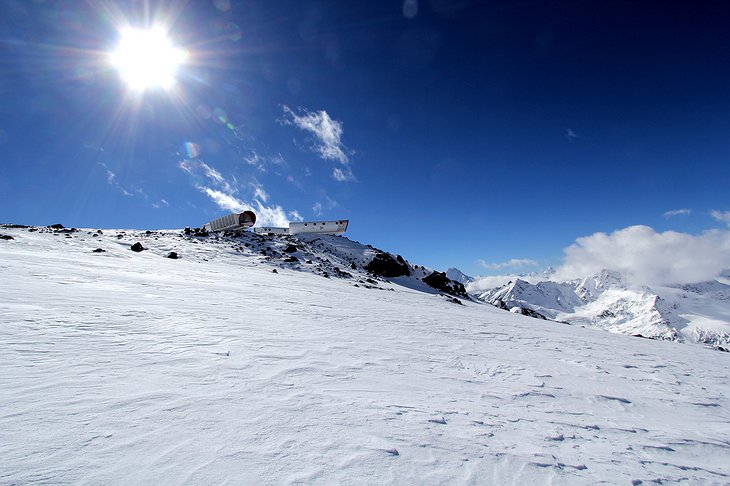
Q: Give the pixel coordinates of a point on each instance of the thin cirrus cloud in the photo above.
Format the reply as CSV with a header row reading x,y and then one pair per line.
x,y
211,182
327,138
327,204
678,212
511,263
721,216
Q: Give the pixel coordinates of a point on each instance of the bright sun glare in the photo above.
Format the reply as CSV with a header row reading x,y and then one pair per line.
x,y
147,59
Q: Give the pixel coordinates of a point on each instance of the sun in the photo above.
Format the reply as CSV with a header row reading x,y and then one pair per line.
x,y
147,59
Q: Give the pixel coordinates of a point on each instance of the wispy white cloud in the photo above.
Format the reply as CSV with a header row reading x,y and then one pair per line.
x,y
295,216
721,216
196,167
317,209
223,193
259,192
678,212
160,203
511,263
327,138
645,256
341,175
111,179
225,201
570,134
327,204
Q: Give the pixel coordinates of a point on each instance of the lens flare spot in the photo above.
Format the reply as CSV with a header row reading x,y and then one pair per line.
x,y
192,149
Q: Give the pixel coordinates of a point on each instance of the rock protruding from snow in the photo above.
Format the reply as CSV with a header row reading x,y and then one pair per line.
x,y
439,281
137,247
527,312
384,265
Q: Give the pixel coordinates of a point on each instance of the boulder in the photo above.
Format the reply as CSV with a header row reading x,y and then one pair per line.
x,y
98,250
6,237
137,247
386,266
528,312
291,249
172,255
439,281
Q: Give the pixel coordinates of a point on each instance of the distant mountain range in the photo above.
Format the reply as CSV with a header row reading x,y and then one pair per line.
x,y
692,312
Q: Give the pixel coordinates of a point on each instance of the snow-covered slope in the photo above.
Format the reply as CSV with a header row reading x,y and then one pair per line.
x,y
695,313
120,367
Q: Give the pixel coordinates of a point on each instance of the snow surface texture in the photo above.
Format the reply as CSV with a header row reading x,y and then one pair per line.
x,y
123,367
697,313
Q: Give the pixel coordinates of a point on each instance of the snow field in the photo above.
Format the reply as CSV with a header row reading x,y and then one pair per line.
x,y
130,368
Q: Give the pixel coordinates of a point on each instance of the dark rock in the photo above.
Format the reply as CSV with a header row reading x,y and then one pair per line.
x,y
137,247
500,303
98,250
6,237
721,348
439,281
99,232
274,271
172,255
371,281
187,231
386,266
454,300
353,266
148,232
339,273
530,313
291,249
291,259
56,226
16,226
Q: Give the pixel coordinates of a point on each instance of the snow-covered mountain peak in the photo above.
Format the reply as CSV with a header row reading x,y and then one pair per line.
x,y
458,276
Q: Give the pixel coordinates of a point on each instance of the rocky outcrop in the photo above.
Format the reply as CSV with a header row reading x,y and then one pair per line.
x,y
439,281
137,247
384,265
528,312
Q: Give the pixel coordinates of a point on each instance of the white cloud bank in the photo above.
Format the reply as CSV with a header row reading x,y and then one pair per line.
x,y
648,257
328,138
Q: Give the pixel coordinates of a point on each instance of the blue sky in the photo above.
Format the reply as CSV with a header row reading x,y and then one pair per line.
x,y
457,133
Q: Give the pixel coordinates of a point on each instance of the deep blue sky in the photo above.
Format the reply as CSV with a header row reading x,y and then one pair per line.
x,y
473,130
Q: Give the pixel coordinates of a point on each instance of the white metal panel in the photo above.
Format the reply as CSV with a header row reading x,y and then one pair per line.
x,y
322,227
